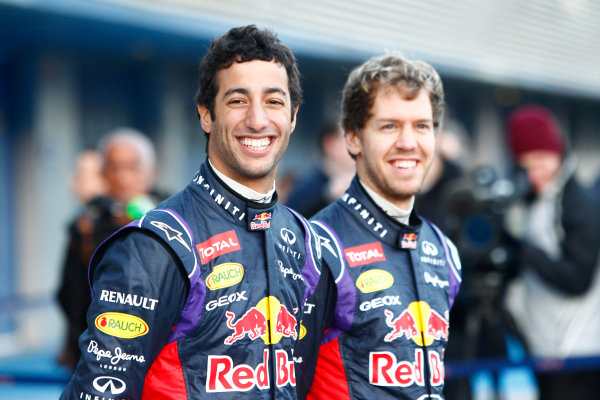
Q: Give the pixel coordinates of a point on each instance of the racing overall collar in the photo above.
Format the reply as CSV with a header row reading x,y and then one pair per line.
x,y
253,215
362,207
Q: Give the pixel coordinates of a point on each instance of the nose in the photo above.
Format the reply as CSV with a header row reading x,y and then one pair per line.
x,y
406,139
256,119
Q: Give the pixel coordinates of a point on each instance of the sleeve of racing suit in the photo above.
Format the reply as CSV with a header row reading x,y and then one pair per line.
x,y
139,289
572,273
317,318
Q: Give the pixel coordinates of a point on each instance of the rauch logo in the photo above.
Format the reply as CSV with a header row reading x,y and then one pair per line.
x,y
121,325
225,275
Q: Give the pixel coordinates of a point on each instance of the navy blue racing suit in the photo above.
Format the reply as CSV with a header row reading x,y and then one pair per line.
x,y
201,298
388,327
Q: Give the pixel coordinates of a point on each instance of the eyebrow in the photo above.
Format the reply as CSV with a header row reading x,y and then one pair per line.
x,y
424,119
246,92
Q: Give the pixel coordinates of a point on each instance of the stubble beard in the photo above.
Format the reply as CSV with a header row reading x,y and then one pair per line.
x,y
235,163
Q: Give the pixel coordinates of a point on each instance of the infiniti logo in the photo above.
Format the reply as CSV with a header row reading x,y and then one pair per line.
x,y
288,236
429,248
114,385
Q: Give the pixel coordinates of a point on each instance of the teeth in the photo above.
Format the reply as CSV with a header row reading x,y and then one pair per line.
x,y
256,144
405,164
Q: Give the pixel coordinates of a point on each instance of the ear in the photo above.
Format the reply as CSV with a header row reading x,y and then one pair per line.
x,y
353,143
205,118
294,117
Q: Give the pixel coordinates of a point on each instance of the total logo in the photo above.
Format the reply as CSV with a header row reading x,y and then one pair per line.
x,y
364,254
223,376
419,323
218,245
268,312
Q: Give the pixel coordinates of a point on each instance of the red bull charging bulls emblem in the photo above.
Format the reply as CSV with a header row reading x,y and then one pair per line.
x,y
419,323
261,221
255,322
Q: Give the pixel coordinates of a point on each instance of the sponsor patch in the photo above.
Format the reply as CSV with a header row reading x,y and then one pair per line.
x,y
128,299
268,313
109,385
418,322
386,370
429,248
409,241
218,245
374,280
121,325
261,221
364,254
223,375
225,275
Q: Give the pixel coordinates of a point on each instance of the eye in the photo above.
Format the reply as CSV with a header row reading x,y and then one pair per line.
x,y
388,127
235,101
276,102
422,126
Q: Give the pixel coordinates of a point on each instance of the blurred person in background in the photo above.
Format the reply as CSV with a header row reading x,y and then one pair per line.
x,y
330,178
555,298
87,180
115,186
399,274
446,167
433,203
203,296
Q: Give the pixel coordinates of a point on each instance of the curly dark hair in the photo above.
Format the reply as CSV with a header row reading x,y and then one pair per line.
x,y
240,45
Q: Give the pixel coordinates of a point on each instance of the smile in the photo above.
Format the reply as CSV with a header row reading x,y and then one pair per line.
x,y
405,164
256,144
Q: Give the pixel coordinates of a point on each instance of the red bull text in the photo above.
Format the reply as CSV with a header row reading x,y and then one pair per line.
x,y
261,221
385,370
223,376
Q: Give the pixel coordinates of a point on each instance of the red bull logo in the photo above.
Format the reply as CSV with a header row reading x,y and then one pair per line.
x,y
223,376
386,370
419,323
409,241
255,323
264,221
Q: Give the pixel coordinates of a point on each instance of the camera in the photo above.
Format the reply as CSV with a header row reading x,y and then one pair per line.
x,y
479,203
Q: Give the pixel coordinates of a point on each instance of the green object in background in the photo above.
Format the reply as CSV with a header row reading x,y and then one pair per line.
x,y
139,206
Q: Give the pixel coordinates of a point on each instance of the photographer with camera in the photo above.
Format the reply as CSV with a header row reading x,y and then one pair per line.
x,y
554,299
128,165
